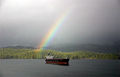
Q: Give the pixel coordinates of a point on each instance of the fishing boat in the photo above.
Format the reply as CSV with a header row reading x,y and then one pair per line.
x,y
60,61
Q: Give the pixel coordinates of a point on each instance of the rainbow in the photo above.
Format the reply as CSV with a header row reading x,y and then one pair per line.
x,y
51,33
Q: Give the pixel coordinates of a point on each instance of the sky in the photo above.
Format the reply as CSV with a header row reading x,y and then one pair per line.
x,y
26,22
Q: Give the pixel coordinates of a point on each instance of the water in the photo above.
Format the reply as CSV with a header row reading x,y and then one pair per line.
x,y
77,68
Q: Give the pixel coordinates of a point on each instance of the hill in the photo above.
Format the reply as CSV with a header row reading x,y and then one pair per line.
x,y
12,53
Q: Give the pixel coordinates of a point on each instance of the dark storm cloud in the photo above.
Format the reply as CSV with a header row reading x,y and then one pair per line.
x,y
25,22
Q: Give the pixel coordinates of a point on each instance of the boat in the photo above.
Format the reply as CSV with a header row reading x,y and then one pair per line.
x,y
59,61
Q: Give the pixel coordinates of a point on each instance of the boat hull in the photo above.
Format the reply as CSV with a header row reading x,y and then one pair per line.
x,y
57,61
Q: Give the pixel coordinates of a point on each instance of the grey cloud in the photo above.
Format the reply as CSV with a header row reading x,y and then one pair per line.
x,y
26,22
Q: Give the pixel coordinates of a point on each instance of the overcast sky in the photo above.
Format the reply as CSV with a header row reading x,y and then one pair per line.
x,y
26,22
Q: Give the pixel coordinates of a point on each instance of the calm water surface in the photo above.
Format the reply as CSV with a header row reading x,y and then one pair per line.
x,y
77,68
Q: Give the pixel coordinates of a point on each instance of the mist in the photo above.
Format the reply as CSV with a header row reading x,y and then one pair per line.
x,y
26,22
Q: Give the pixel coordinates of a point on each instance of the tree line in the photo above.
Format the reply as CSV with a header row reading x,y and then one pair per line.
x,y
12,53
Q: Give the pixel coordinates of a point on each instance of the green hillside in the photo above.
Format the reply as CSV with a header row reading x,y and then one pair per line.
x,y
12,53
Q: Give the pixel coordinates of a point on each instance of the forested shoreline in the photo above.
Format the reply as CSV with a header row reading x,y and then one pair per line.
x,y
13,53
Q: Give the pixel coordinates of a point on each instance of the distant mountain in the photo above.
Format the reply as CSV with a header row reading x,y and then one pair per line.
x,y
113,48
87,47
19,47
